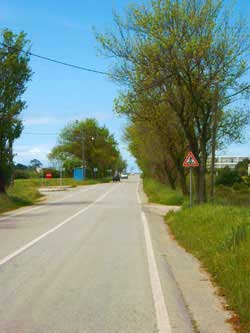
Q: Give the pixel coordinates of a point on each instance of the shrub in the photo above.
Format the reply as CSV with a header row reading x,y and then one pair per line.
x,y
237,195
227,177
240,187
246,180
24,174
242,167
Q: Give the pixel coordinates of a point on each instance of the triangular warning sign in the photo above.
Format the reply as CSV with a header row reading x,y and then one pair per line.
x,y
190,161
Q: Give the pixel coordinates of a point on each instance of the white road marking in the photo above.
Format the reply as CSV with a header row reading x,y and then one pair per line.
x,y
36,240
138,193
42,206
162,316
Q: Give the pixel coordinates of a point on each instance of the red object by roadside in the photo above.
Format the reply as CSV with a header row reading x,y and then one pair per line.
x,y
48,175
190,161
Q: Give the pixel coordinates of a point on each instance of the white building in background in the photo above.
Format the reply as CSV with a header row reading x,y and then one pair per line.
x,y
227,161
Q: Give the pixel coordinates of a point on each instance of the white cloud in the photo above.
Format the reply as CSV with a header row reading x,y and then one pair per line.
x,y
25,153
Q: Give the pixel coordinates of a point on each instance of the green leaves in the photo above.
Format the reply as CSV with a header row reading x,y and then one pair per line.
x,y
14,76
179,58
86,139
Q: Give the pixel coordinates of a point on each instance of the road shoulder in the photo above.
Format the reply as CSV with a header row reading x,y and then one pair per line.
x,y
203,304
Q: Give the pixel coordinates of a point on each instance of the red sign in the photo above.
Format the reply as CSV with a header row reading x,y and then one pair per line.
x,y
190,161
48,175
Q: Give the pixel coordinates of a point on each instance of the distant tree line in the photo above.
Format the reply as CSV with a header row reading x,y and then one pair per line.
x,y
182,64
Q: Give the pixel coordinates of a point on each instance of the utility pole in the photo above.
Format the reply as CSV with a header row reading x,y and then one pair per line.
x,y
83,150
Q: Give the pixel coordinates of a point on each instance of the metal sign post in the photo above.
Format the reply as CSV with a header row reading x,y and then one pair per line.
x,y
190,162
190,185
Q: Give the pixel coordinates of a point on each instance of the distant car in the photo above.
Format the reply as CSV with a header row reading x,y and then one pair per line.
x,y
124,176
116,177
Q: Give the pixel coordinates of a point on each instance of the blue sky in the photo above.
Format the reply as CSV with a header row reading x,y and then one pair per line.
x,y
57,95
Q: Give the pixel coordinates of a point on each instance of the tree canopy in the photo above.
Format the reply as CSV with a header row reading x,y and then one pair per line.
x,y
86,142
14,73
182,63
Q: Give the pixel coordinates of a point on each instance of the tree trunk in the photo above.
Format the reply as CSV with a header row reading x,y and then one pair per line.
x,y
212,179
2,185
183,182
214,135
171,178
202,197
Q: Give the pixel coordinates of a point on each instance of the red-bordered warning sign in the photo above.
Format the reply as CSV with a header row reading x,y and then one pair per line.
x,y
190,161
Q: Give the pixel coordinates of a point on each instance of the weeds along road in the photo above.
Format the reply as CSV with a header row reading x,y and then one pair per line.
x,y
85,261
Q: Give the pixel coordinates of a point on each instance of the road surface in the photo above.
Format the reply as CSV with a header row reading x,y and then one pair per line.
x,y
86,261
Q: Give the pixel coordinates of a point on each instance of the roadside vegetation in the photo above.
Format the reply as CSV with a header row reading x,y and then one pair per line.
x,y
182,65
25,192
220,237
217,233
161,193
22,193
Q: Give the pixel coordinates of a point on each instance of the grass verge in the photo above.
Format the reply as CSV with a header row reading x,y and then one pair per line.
x,y
162,194
218,234
220,237
22,193
25,192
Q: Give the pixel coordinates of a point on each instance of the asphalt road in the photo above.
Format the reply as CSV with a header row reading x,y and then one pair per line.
x,y
86,261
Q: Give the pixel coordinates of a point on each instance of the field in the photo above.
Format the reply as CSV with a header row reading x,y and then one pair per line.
x,y
25,192
218,234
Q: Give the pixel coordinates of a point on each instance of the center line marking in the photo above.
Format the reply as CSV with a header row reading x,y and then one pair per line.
x,y
162,316
36,240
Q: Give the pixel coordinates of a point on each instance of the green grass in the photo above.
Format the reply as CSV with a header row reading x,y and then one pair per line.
x,y
22,193
237,195
220,237
218,234
162,194
25,192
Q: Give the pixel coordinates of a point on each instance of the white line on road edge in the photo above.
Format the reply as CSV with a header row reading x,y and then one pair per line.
x,y
36,240
42,206
162,317
138,193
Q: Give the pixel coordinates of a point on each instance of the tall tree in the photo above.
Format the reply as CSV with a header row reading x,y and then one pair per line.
x,y
193,54
14,75
35,164
85,143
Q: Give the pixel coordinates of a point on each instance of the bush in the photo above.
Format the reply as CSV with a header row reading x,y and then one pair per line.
x,y
228,177
162,194
237,195
246,180
242,167
24,174
240,187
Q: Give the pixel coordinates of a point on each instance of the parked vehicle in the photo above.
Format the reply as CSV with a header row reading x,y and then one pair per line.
x,y
116,177
124,176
